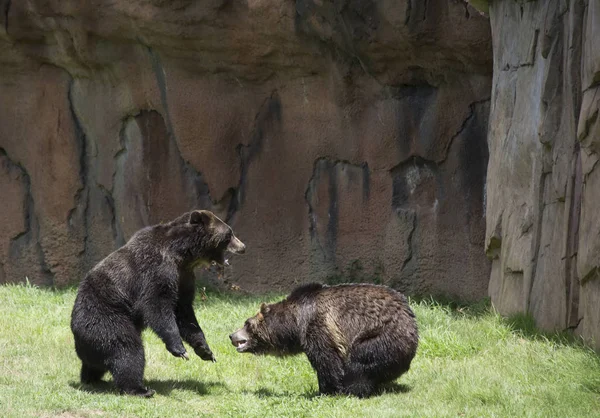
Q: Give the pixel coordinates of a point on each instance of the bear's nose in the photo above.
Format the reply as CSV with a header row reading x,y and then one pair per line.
x,y
236,246
241,248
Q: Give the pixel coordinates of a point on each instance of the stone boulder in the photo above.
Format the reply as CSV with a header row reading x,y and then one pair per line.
x,y
543,233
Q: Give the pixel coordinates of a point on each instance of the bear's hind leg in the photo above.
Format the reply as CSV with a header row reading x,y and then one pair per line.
x,y
374,361
91,374
127,370
356,382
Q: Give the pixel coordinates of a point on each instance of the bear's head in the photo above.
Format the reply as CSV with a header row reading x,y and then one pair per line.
x,y
273,330
201,238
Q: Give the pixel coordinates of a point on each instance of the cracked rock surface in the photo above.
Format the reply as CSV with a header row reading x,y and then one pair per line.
x,y
341,139
543,189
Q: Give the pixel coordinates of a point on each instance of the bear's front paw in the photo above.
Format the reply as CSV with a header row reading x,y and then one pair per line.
x,y
205,354
178,352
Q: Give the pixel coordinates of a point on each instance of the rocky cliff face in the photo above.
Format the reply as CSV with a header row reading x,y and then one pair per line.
x,y
340,139
543,184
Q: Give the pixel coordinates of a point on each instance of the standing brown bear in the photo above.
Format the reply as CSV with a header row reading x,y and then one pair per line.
x,y
147,282
355,336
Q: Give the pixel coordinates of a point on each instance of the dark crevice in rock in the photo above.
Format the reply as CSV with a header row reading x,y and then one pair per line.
x,y
47,275
190,171
351,24
593,274
82,196
574,216
327,249
575,55
28,204
467,12
312,217
408,12
201,188
528,287
574,325
332,212
462,128
533,52
120,157
366,181
329,167
553,29
161,82
591,170
595,81
117,233
268,113
408,262
356,55
588,124
512,272
6,11
509,67
532,55
29,237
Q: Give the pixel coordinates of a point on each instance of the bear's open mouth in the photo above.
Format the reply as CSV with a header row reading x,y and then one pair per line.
x,y
240,345
220,260
220,263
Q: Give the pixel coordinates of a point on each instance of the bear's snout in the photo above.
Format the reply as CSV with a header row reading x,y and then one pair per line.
x,y
239,339
236,246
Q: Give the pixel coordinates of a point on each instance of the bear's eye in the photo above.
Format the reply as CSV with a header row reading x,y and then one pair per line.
x,y
252,324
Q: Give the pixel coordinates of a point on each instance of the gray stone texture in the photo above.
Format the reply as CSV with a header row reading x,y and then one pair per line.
x,y
543,186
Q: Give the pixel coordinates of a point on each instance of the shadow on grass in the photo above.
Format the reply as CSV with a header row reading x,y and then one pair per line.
x,y
162,387
524,325
393,388
268,393
390,388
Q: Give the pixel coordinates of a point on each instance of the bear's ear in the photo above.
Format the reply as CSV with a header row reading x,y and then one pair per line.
x,y
199,217
264,308
259,316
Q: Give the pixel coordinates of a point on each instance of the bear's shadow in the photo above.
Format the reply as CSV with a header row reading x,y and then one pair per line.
x,y
162,387
165,387
268,393
393,388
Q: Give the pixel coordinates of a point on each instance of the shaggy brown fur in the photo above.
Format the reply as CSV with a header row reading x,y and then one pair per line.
x,y
356,337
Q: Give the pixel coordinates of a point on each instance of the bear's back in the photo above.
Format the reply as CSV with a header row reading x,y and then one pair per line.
x,y
363,298
124,273
361,310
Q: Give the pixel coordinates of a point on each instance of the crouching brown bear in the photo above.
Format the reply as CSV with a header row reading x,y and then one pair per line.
x,y
356,336
149,282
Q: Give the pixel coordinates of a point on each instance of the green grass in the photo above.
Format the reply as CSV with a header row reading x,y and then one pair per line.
x,y
470,363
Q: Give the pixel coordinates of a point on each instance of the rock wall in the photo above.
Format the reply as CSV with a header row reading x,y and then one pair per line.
x,y
543,184
341,139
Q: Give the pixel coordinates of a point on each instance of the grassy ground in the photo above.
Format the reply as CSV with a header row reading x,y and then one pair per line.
x,y
470,363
